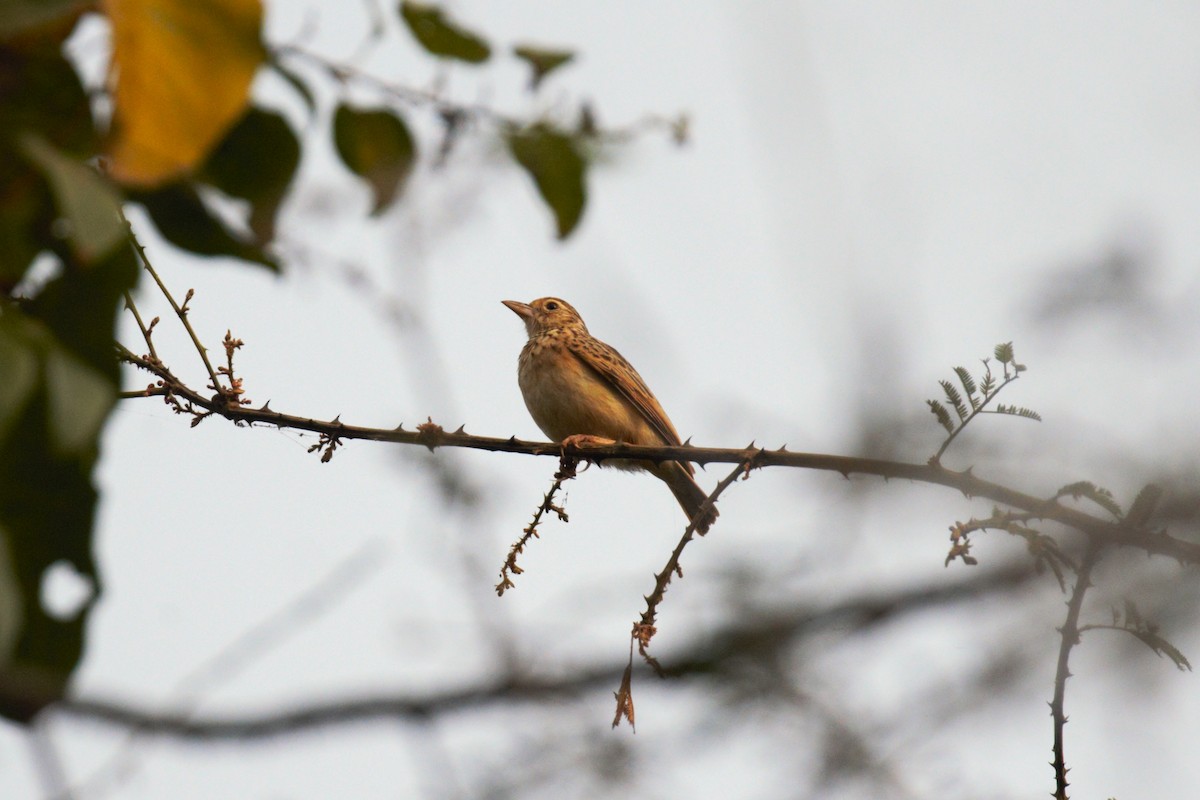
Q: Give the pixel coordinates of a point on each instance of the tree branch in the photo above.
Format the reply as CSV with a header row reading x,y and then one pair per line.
x,y
1070,638
707,658
432,436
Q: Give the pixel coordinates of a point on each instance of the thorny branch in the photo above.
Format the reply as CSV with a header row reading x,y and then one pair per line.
x,y
230,403
705,658
644,629
964,481
566,471
1070,638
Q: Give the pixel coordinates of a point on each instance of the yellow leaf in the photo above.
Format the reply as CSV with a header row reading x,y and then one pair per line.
x,y
180,78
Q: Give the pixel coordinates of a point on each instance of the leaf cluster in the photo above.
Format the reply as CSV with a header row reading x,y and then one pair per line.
x,y
975,395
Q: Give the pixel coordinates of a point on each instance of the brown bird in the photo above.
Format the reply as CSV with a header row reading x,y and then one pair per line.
x,y
581,391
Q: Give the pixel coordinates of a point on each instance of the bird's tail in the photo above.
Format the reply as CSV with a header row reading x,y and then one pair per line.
x,y
688,493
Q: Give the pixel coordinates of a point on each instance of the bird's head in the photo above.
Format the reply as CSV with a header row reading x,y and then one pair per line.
x,y
547,314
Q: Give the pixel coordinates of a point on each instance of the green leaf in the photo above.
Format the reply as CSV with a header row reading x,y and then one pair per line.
x,y
19,366
46,504
954,398
968,383
1004,352
554,162
541,62
183,219
40,94
1019,411
442,37
24,208
12,606
1162,647
375,145
87,202
256,161
1097,494
79,400
943,416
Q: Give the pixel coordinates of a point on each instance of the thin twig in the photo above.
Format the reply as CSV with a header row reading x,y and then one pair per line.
x,y
180,312
1070,637
146,330
566,471
644,629
454,112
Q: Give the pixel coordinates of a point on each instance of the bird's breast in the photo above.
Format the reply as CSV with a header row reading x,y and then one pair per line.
x,y
566,397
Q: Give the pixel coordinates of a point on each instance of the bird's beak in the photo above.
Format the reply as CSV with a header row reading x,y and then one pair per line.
x,y
522,310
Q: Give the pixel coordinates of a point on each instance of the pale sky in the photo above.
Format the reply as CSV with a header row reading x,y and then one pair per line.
x,y
873,193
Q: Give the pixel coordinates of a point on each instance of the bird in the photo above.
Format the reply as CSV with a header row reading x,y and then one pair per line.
x,y
580,391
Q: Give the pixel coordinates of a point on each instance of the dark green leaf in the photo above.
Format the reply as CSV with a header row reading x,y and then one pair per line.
x,y
554,162
12,605
40,94
541,62
79,400
183,219
375,145
256,162
1004,352
441,36
87,202
19,366
46,505
25,208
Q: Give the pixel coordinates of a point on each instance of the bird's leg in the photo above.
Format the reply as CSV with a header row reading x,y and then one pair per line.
x,y
582,440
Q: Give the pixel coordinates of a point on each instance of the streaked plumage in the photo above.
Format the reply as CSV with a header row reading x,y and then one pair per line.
x,y
576,385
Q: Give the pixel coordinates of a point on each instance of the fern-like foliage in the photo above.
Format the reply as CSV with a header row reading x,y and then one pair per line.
x,y
1090,491
1018,411
976,394
1143,505
1131,621
943,416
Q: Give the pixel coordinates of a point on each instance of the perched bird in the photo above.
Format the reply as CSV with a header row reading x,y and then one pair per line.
x,y
581,391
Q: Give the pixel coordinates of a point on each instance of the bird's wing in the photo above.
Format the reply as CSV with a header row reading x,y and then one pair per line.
x,y
620,375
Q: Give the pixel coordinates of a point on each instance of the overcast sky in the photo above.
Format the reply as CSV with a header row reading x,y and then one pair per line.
x,y
872,193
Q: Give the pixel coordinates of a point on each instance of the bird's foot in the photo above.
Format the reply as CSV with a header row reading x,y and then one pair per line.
x,y
582,440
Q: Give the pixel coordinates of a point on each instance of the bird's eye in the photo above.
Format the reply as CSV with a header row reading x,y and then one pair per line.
x,y
552,306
